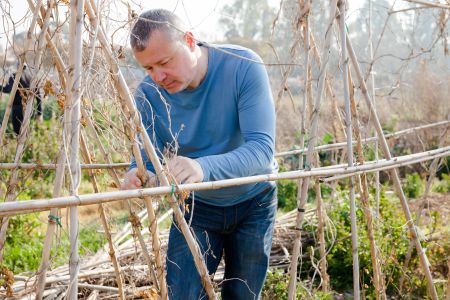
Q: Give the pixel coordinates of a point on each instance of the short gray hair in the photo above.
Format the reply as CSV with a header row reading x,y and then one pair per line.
x,y
151,20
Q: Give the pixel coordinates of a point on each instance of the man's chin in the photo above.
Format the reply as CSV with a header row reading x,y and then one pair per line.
x,y
174,88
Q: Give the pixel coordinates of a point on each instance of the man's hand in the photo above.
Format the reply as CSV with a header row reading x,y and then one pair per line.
x,y
185,170
132,180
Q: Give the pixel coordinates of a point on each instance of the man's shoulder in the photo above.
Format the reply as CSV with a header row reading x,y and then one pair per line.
x,y
237,51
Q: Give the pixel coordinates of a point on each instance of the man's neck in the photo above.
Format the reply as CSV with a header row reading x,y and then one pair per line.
x,y
202,66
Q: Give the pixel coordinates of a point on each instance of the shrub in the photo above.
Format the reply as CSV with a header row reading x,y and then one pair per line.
x,y
413,186
442,186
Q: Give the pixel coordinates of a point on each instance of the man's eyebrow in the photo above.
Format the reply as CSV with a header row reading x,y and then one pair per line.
x,y
156,63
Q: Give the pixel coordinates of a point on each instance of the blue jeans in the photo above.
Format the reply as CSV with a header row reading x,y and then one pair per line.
x,y
242,233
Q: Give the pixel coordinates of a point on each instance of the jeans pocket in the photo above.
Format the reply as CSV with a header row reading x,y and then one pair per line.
x,y
267,197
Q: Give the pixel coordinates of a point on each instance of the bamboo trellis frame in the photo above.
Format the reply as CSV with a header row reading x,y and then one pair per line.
x,y
134,128
327,147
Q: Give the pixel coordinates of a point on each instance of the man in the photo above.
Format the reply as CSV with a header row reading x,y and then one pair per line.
x,y
210,107
20,98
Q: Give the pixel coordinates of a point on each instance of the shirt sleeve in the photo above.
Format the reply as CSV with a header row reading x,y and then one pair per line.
x,y
8,87
148,118
257,125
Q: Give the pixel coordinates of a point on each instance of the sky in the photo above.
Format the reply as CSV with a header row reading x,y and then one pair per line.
x,y
201,15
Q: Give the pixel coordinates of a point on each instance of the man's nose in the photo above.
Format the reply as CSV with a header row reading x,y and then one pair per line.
x,y
159,75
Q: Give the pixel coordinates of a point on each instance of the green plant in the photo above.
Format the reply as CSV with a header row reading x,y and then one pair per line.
x,y
23,243
287,194
442,186
277,284
24,240
413,185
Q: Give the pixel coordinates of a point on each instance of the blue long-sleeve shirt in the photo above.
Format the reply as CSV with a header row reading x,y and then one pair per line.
x,y
227,123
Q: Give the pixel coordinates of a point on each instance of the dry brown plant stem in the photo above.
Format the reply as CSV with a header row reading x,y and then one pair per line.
x,y
432,173
60,168
51,227
378,279
128,107
321,232
133,116
135,224
429,3
338,123
307,96
372,86
445,123
309,156
23,135
394,173
348,123
103,218
22,59
448,279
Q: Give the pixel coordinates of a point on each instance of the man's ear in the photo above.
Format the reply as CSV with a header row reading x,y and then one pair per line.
x,y
190,40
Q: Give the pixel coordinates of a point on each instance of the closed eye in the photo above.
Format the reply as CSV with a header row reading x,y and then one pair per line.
x,y
165,62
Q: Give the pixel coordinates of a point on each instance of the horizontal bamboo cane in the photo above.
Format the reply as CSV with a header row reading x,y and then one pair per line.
x,y
52,166
429,4
365,141
30,166
23,207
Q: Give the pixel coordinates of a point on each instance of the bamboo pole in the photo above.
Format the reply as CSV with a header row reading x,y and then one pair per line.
x,y
383,167
103,218
22,59
72,134
149,205
429,4
432,172
53,166
329,147
372,85
366,140
59,64
24,207
134,219
307,98
448,279
394,174
321,232
135,223
378,279
23,135
54,215
329,89
309,156
348,124
151,154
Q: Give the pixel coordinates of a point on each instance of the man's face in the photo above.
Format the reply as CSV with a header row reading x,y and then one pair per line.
x,y
170,63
